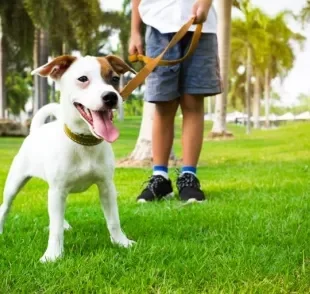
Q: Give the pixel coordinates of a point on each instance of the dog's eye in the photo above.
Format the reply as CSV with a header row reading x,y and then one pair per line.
x,y
83,79
115,79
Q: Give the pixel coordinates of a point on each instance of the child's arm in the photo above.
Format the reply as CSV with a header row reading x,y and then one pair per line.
x,y
135,44
200,10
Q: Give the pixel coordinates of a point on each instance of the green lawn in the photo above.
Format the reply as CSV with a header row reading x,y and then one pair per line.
x,y
253,235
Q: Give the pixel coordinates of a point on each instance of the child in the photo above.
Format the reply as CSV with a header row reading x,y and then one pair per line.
x,y
183,85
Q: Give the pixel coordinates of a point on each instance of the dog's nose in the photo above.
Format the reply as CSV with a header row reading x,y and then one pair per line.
x,y
109,99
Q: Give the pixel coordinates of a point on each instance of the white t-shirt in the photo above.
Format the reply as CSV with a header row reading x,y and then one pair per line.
x,y
168,16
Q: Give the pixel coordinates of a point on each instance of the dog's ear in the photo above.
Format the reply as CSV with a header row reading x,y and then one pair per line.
x,y
119,65
56,68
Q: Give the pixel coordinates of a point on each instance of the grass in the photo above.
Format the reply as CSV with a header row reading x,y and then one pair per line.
x,y
253,236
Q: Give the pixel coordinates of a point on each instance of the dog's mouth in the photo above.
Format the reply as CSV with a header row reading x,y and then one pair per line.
x,y
100,122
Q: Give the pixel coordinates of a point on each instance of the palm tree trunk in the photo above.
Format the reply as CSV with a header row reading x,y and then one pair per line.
x,y
36,62
43,60
248,89
64,48
53,92
143,148
210,107
2,75
219,125
267,98
256,102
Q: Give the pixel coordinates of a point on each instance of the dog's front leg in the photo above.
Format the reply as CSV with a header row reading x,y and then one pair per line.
x,y
56,210
109,206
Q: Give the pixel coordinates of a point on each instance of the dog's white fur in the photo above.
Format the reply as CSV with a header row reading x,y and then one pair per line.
x,y
66,166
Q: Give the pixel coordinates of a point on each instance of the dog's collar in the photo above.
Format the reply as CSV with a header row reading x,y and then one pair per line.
x,y
86,140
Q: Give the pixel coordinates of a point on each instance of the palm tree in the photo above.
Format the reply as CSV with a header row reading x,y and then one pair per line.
x,y
36,63
2,93
16,39
31,32
263,43
247,33
224,15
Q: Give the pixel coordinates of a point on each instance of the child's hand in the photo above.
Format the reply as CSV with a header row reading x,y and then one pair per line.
x,y
135,44
200,10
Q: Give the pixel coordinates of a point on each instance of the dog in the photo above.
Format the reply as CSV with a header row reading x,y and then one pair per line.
x,y
73,152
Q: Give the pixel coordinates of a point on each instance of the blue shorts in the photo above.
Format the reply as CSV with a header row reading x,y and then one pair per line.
x,y
199,74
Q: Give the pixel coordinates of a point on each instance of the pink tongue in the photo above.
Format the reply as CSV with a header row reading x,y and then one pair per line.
x,y
103,126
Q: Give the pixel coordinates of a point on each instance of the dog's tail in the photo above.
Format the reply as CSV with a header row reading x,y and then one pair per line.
x,y
52,109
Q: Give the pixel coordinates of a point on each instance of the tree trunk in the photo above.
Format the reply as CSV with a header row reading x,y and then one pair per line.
x,y
43,60
143,148
53,92
64,48
210,107
256,102
36,62
248,89
2,75
267,98
219,125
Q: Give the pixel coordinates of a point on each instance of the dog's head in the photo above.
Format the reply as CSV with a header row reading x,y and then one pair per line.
x,y
90,85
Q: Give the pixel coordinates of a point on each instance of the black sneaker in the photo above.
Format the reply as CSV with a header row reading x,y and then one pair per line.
x,y
157,188
189,188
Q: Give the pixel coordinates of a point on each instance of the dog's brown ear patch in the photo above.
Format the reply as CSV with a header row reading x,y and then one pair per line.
x,y
119,65
105,68
56,68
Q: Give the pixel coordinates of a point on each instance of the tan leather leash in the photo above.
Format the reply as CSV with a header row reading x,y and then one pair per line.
x,y
151,63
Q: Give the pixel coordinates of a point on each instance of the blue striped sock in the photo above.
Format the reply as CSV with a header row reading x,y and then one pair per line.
x,y
189,169
160,170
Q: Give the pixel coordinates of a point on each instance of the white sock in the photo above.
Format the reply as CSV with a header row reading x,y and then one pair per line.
x,y
161,173
188,172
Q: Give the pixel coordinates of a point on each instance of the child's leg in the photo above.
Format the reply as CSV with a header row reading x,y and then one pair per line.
x,y
162,88
200,78
193,126
163,131
192,138
159,185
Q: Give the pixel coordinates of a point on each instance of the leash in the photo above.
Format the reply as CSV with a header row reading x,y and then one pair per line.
x,y
151,63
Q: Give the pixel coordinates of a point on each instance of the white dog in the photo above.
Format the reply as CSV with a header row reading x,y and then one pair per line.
x,y
74,152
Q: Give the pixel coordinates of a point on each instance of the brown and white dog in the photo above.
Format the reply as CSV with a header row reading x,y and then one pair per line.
x,y
73,152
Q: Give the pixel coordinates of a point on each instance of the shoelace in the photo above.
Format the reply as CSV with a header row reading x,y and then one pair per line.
x,y
153,182
187,180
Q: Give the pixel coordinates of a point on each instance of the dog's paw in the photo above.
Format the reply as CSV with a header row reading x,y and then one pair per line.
x,y
123,242
51,256
129,243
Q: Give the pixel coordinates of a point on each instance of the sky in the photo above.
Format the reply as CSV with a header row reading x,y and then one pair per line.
x,y
298,80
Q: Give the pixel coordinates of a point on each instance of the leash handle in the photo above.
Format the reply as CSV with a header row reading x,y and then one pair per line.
x,y
151,63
